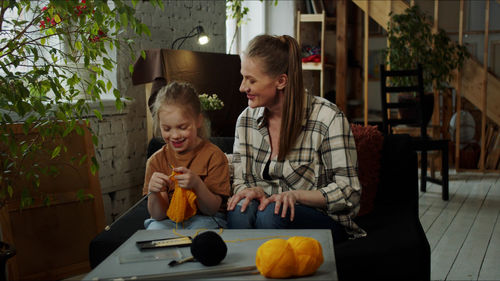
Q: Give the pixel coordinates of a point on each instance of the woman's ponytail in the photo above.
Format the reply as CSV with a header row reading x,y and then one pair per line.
x,y
294,99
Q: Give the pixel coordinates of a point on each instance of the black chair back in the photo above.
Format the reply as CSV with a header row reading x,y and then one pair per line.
x,y
415,85
421,117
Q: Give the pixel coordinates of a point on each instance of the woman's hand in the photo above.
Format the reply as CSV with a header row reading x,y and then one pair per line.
x,y
249,194
285,199
187,179
158,182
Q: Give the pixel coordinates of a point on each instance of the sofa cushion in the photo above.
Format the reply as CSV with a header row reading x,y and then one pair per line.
x,y
224,143
369,142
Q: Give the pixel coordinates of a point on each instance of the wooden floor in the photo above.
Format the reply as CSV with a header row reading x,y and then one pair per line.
x,y
464,232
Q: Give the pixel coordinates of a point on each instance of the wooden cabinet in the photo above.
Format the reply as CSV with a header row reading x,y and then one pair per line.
x,y
52,240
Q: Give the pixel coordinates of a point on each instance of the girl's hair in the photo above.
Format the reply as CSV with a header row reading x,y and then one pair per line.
x,y
281,55
179,94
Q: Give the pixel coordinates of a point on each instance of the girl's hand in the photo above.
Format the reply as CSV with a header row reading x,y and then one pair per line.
x,y
158,182
187,179
249,194
285,199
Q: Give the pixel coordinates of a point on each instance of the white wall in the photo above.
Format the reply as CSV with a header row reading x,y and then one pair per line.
x,y
263,18
374,100
476,15
280,19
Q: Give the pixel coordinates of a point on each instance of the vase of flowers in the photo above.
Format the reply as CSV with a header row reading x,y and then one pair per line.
x,y
209,103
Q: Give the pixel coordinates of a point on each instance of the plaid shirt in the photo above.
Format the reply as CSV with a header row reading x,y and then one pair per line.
x,y
324,158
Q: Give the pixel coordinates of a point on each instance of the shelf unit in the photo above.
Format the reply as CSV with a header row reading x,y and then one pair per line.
x,y
316,66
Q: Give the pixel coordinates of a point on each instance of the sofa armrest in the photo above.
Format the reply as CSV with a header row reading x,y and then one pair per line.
x,y
396,247
398,174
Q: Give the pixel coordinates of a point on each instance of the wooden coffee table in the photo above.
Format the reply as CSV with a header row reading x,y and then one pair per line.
x,y
129,263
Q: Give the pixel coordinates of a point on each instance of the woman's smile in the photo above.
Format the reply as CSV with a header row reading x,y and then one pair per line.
x,y
259,87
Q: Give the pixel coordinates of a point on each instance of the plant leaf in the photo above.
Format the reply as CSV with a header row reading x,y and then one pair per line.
x,y
56,152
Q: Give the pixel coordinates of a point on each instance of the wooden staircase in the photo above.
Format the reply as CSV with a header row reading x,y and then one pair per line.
x,y
472,75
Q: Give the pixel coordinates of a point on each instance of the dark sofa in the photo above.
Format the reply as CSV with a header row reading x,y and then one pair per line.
x,y
395,248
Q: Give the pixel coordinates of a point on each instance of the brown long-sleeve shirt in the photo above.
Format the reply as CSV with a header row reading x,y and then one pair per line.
x,y
206,160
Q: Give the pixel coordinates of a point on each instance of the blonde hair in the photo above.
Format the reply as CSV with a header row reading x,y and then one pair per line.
x,y
179,94
281,55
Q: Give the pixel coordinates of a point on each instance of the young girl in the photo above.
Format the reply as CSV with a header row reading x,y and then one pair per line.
x,y
199,165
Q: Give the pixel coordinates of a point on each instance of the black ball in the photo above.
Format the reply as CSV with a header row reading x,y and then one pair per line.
x,y
208,248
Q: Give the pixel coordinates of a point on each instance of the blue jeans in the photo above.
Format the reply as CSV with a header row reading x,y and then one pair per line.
x,y
195,222
305,218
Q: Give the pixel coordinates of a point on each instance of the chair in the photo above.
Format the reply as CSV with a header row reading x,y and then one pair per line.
x,y
423,142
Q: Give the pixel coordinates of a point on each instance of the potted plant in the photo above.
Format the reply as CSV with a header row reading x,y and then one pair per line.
x,y
209,103
53,59
411,41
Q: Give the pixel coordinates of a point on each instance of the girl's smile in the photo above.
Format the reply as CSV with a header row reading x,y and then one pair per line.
x,y
177,144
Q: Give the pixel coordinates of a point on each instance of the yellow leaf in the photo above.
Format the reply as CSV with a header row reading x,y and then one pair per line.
x,y
57,19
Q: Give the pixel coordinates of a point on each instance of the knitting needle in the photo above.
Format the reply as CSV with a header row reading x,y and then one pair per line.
x,y
108,227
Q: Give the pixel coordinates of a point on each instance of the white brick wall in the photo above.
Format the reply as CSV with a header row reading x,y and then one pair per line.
x,y
121,151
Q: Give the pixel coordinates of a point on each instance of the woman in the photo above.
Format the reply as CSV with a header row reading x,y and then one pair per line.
x,y
295,162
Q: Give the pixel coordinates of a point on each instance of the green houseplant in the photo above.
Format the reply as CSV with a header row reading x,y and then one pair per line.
x,y
54,57
53,61
411,41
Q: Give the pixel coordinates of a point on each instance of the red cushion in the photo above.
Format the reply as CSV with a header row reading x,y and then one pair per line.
x,y
369,147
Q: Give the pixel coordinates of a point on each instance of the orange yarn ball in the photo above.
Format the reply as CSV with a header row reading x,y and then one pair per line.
x,y
275,259
308,255
297,256
182,204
